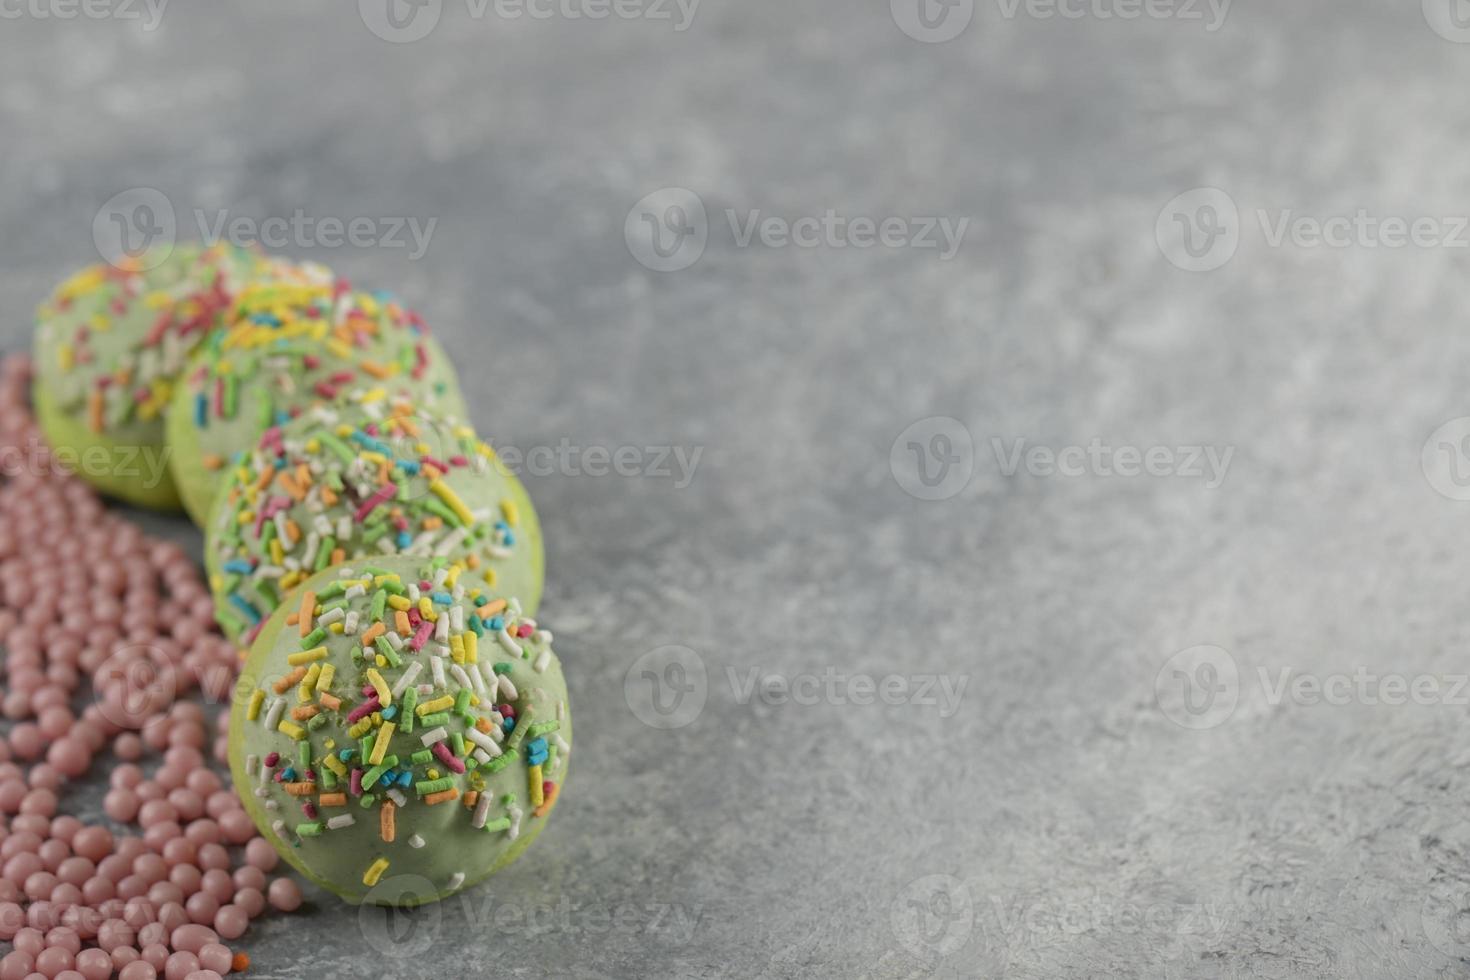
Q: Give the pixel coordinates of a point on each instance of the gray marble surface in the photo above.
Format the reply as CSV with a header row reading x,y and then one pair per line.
x,y
1144,501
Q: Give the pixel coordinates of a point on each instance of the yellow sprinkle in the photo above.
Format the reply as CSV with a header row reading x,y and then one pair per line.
x,y
307,656
324,680
536,788
400,603
381,660
336,627
426,606
471,647
292,729
456,648
257,698
335,764
510,512
381,686
438,704
451,499
375,871
380,746
278,553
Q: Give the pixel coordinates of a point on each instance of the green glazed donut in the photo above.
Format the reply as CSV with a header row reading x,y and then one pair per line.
x,y
400,734
285,348
344,482
110,343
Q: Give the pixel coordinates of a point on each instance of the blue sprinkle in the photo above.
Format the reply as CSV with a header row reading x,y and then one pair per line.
x,y
201,410
390,712
441,598
496,624
509,725
245,608
243,565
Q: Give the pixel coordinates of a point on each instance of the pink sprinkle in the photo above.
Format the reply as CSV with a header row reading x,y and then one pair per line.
x,y
447,757
356,782
383,495
363,710
312,362
524,630
309,809
272,759
421,636
431,461
458,461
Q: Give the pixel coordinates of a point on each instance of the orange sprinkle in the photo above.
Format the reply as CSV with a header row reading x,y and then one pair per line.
x,y
447,796
373,632
293,530
545,806
375,369
292,619
483,724
290,680
328,701
400,623
308,609
339,555
305,713
433,523
332,799
300,789
240,963
470,799
212,461
328,497
387,826
491,608
288,484
266,476
94,410
303,475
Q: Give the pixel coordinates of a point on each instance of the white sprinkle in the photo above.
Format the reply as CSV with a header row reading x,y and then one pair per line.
x,y
345,571
506,641
251,762
436,667
514,604
476,680
396,795
441,629
543,660
456,618
349,624
355,591
439,576
386,545
413,593
482,811
480,756
454,539
272,805
456,880
340,821
434,735
259,792
279,826
415,842
561,743
344,527
281,534
542,636
515,822
460,677
394,640
273,716
492,679
331,616
410,673
483,740
508,689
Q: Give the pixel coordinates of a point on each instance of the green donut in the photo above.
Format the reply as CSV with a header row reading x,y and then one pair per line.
x,y
285,348
363,480
110,343
364,793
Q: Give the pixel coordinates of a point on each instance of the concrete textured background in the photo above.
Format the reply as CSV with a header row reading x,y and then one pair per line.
x,y
1182,747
